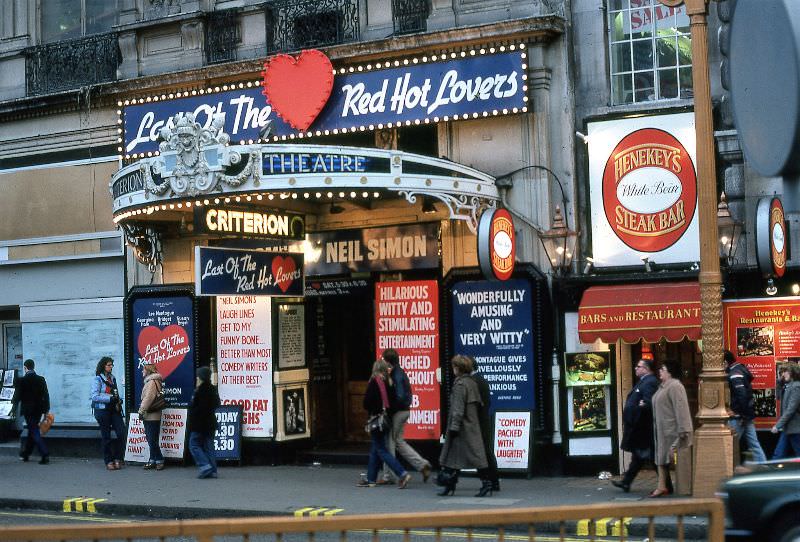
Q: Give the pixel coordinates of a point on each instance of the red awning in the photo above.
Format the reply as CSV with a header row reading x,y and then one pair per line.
x,y
640,311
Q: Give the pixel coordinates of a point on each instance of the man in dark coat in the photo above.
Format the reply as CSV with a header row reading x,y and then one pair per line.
x,y
31,392
484,417
637,422
203,424
742,405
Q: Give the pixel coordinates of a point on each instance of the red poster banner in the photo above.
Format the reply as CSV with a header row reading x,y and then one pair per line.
x,y
763,333
407,319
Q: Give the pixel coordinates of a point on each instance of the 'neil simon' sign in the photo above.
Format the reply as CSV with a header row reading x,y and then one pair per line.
x,y
220,271
469,85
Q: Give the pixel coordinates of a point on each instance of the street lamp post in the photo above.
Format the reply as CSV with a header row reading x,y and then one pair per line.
x,y
713,450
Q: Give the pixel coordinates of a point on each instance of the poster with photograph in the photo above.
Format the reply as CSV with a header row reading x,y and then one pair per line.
x,y
5,410
763,333
587,369
588,408
244,360
8,377
291,336
6,394
407,320
293,421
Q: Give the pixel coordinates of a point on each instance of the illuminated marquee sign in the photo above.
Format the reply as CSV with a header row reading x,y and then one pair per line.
x,y
460,85
249,222
286,163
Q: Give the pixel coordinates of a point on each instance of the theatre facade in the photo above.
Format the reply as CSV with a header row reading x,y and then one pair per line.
x,y
290,220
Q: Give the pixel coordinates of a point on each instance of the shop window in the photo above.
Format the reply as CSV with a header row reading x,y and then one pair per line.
x,y
70,19
650,51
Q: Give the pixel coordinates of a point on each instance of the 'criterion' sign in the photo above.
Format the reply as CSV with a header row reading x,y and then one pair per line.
x,y
241,222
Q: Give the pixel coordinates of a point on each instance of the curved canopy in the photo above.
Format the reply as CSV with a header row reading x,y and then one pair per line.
x,y
196,166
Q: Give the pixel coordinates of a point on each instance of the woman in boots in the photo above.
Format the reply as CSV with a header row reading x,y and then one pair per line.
x,y
463,445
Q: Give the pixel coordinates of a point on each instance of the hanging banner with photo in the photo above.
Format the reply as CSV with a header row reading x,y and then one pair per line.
x,y
763,333
407,320
244,360
162,332
492,322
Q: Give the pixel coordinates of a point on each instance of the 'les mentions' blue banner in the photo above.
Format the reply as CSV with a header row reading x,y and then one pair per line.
x,y
470,85
492,322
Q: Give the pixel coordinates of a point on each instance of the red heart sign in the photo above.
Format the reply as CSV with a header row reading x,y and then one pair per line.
x,y
166,348
298,89
283,269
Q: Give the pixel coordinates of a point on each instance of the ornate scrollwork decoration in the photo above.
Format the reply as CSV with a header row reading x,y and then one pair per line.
x,y
461,206
145,242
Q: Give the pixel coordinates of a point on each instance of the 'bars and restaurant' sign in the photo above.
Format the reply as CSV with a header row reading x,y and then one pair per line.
x,y
643,189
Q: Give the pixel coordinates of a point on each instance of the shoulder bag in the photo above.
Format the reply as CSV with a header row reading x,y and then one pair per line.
x,y
159,403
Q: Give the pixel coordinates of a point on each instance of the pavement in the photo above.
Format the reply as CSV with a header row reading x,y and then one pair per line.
x,y
79,485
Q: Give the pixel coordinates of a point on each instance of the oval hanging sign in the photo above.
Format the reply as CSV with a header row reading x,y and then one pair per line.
x,y
649,190
497,244
777,237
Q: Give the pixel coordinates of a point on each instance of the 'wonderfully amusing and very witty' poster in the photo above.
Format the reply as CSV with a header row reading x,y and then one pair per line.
x,y
163,332
763,333
244,350
492,322
407,320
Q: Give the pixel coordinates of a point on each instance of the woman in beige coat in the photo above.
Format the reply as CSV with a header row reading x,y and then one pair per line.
x,y
672,421
153,386
463,445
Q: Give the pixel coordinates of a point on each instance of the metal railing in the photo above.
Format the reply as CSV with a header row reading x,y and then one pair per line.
x,y
71,64
223,35
507,524
300,24
409,16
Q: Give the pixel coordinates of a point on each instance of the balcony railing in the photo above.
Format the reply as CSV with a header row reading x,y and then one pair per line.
x,y
300,24
223,34
409,16
71,64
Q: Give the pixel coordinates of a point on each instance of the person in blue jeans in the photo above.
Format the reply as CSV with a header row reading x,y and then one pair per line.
x,y
31,392
107,409
203,424
377,400
740,383
789,423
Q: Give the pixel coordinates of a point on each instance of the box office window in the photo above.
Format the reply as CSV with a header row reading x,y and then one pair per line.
x,y
650,51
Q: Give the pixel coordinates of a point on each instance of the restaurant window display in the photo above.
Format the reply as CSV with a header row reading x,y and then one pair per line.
x,y
588,381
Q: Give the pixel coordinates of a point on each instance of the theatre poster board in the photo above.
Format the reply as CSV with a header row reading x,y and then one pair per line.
x,y
228,436
512,439
763,333
407,320
172,438
244,360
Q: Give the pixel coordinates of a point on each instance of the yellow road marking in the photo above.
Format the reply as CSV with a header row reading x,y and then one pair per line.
x,y
316,511
333,511
302,511
68,504
601,526
583,527
90,505
620,528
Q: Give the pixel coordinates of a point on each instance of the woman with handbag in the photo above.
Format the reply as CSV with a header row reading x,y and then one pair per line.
x,y
463,445
376,403
150,413
672,423
107,409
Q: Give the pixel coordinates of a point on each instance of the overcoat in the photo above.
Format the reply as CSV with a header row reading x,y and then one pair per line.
x,y
465,450
789,421
637,427
671,418
153,383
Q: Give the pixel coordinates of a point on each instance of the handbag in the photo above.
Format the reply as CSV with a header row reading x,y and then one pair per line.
x,y
159,403
44,425
377,422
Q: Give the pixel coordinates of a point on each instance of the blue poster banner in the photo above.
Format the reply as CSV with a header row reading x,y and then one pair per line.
x,y
163,333
472,85
224,271
493,322
228,436
395,248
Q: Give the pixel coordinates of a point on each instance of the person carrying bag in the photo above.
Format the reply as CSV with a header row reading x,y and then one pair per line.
x,y
107,410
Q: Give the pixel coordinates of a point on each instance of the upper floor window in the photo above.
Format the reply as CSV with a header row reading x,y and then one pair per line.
x,y
651,51
69,19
